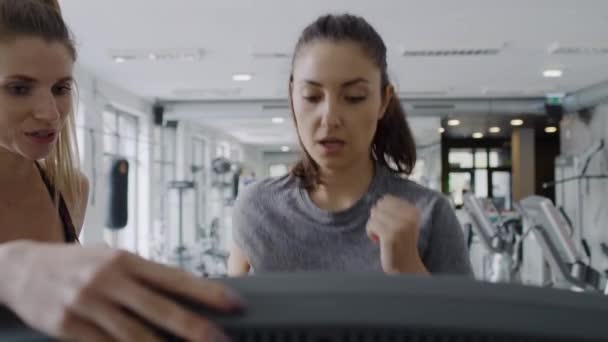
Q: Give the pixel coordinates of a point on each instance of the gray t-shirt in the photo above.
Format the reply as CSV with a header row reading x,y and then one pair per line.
x,y
280,229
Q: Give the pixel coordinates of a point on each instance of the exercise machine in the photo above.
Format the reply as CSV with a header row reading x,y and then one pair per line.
x,y
370,308
569,267
499,236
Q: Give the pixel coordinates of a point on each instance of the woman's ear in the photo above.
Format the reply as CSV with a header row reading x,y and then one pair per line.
x,y
389,93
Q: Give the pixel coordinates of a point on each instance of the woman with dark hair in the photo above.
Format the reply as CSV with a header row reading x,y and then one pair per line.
x,y
346,205
67,291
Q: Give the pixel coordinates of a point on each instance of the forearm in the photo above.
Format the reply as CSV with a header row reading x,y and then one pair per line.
x,y
12,256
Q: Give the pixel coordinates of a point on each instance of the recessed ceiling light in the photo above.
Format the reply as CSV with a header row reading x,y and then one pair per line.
x,y
477,135
278,120
441,130
517,122
285,149
453,122
152,56
494,129
552,73
550,129
242,77
119,59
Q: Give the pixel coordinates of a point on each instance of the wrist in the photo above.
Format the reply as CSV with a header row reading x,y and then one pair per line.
x,y
406,260
13,257
413,265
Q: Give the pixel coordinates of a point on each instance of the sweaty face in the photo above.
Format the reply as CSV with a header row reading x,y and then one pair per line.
x,y
337,102
35,95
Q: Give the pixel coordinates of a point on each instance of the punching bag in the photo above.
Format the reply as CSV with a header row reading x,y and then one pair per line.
x,y
118,199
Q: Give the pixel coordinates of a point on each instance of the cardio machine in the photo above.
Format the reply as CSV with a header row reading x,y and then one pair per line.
x,y
499,235
569,267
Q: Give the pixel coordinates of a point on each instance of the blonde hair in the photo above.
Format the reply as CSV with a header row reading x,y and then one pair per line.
x,y
62,164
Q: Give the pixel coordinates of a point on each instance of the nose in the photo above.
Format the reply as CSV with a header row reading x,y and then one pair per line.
x,y
46,108
331,113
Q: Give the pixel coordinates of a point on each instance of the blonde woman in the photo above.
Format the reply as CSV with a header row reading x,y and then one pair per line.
x,y
68,291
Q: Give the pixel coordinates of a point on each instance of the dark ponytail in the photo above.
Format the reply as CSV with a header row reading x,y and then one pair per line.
x,y
393,145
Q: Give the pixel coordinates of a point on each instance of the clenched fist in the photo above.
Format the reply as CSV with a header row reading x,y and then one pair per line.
x,y
394,224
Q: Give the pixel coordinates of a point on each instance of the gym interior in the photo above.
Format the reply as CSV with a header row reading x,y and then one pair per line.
x,y
507,101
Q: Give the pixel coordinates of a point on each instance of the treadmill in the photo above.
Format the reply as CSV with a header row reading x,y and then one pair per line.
x,y
381,308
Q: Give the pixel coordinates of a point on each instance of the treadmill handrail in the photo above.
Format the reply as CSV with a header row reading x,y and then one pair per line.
x,y
554,257
482,225
551,231
538,208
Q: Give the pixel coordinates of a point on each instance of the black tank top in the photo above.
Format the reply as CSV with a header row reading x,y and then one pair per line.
x,y
64,214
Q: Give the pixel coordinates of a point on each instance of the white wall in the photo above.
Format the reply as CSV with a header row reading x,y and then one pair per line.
x,y
576,137
92,97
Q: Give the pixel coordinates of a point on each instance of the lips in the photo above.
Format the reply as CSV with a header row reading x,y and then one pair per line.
x,y
332,145
42,136
331,141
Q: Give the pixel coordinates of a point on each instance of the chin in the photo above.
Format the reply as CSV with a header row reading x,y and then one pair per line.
x,y
35,154
333,163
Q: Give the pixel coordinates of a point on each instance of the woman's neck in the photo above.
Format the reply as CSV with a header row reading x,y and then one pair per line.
x,y
341,189
15,171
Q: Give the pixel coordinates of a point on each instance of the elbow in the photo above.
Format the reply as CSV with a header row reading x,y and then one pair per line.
x,y
238,266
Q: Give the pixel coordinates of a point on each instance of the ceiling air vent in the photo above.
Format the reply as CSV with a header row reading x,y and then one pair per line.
x,y
433,106
580,51
271,55
415,93
451,52
504,92
207,92
166,54
275,106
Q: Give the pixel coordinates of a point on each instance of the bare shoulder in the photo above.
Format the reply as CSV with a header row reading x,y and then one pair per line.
x,y
84,183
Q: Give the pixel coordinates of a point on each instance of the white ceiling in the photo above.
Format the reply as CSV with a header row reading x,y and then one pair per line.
x,y
231,32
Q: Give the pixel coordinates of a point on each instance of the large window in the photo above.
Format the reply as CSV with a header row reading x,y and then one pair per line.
x,y
484,171
120,140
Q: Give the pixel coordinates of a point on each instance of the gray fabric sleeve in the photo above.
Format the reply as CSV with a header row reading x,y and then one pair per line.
x,y
447,252
242,221
247,223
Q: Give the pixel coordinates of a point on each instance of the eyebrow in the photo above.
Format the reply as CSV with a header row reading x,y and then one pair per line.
x,y
28,79
344,85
